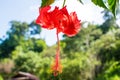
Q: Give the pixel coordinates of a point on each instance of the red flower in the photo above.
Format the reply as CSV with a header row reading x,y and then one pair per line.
x,y
63,22
59,19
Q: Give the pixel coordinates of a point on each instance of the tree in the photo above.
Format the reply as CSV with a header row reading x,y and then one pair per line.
x,y
109,23
82,41
18,33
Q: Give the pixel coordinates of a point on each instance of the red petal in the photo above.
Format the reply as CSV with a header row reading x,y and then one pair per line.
x,y
63,20
73,26
44,18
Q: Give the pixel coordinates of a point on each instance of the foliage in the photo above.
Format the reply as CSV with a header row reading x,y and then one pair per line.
x,y
18,33
109,23
1,77
33,63
82,41
46,2
110,5
80,66
99,3
111,73
37,45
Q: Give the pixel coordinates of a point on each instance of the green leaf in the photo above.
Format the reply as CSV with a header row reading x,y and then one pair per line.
x,y
113,5
99,3
46,2
80,1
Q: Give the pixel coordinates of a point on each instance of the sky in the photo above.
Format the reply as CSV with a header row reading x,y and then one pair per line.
x,y
28,10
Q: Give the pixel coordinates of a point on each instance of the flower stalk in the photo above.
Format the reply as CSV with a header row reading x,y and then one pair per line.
x,y
57,67
63,3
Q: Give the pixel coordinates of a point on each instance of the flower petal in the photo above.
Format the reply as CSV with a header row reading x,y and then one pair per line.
x,y
44,18
73,26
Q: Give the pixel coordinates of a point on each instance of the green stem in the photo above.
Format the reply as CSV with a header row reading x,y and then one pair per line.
x,y
63,3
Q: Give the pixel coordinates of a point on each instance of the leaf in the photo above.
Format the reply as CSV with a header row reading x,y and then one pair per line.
x,y
99,3
46,2
80,1
113,5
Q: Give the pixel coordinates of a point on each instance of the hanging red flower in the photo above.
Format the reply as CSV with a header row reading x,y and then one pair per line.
x,y
59,19
63,22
